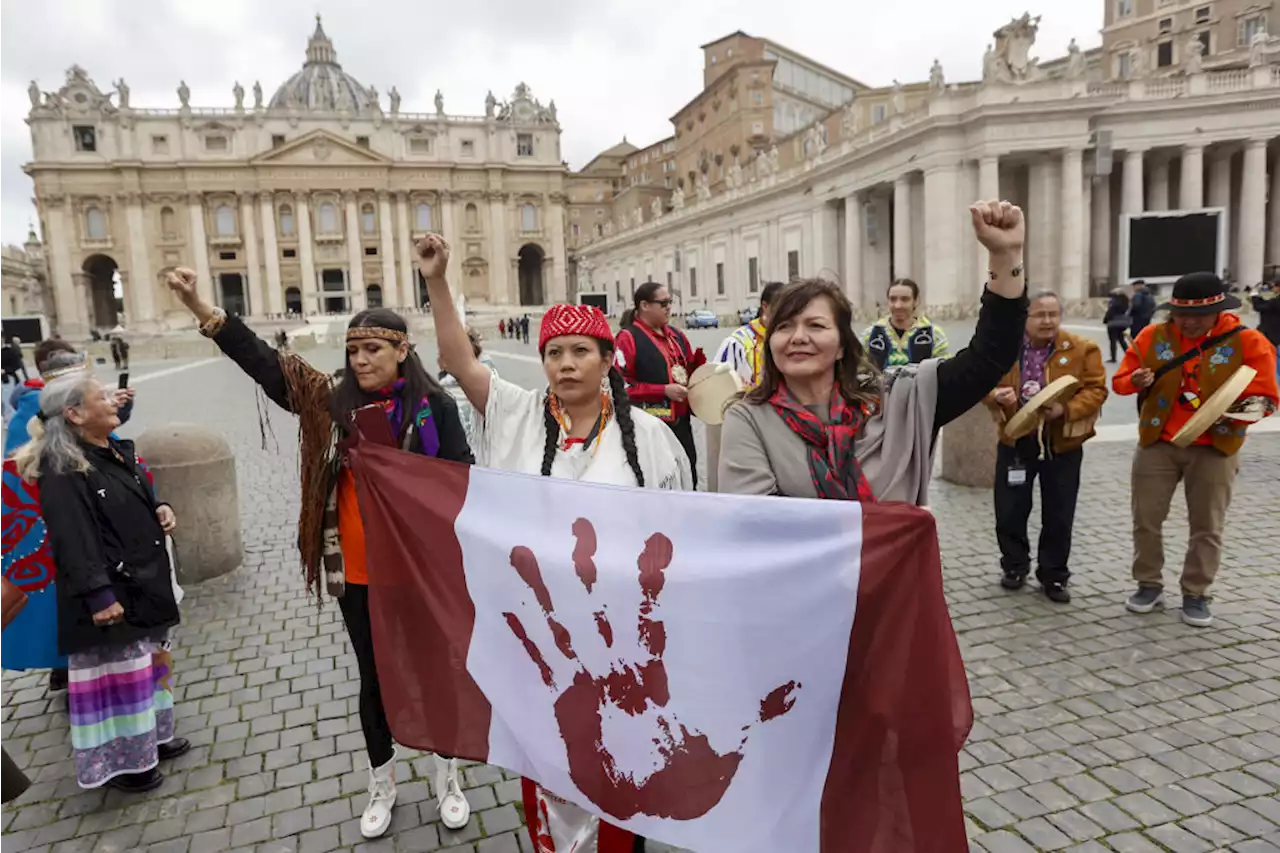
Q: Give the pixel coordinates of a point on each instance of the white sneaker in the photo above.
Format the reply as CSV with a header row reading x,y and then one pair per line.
x,y
455,811
382,796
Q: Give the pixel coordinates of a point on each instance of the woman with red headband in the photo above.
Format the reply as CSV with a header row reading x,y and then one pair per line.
x,y
582,427
382,369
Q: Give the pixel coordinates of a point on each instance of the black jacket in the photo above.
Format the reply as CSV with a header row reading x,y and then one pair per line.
x,y
969,375
258,359
1268,309
107,542
1142,308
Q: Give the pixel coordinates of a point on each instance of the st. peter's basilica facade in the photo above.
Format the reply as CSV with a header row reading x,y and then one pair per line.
x,y
307,202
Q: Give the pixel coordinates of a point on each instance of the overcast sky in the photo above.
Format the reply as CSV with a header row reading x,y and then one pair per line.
x,y
613,68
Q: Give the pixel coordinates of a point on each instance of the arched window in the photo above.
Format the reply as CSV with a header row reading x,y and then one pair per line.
x,y
328,221
95,224
422,217
473,218
224,221
528,217
168,223
286,221
368,219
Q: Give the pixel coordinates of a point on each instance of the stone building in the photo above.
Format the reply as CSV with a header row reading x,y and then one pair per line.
x,y
303,202
1147,37
24,279
879,188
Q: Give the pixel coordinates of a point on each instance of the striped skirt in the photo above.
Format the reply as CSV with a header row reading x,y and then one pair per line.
x,y
121,709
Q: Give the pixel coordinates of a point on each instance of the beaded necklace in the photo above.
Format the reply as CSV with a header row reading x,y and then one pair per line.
x,y
566,423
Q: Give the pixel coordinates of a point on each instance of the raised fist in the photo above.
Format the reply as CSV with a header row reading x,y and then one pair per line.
x,y
182,282
999,226
433,256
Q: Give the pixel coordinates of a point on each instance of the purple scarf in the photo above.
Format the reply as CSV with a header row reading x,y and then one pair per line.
x,y
391,399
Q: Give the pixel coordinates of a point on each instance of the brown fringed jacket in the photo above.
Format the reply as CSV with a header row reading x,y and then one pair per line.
x,y
297,387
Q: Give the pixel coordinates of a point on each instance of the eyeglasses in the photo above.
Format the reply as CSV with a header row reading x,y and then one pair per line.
x,y
665,303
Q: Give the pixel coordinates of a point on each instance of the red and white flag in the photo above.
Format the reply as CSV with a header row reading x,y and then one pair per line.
x,y
713,671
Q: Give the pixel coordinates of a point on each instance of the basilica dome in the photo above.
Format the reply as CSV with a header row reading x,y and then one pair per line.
x,y
322,85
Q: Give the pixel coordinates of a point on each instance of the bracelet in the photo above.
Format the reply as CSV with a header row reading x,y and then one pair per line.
x,y
1016,272
214,324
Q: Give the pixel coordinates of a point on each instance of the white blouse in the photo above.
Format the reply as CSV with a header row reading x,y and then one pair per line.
x,y
513,437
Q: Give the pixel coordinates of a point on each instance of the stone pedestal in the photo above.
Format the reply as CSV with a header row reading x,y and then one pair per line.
x,y
969,449
195,472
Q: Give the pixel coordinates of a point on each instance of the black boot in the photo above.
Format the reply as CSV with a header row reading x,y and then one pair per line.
x,y
57,680
138,783
1014,578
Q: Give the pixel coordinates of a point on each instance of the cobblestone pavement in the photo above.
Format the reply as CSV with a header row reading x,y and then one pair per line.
x,y
1096,730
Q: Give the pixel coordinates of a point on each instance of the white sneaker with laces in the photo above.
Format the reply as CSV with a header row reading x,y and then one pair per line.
x,y
382,797
455,811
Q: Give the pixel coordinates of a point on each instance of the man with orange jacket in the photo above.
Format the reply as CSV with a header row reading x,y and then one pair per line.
x,y
1173,366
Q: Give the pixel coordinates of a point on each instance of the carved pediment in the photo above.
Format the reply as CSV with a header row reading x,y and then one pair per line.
x,y
320,147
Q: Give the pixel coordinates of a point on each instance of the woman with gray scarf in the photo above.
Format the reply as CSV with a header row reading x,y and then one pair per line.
x,y
824,423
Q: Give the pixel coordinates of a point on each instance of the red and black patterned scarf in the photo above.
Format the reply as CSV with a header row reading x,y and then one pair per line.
x,y
833,465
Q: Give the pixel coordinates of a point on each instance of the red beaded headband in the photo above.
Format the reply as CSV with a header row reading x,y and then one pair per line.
x,y
1196,303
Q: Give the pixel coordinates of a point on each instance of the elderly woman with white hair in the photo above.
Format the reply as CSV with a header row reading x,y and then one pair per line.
x,y
114,594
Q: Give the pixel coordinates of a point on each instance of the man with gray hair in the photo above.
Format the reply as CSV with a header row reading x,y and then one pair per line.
x,y
1049,446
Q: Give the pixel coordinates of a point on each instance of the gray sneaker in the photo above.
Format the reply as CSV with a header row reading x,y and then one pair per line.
x,y
1195,611
1146,599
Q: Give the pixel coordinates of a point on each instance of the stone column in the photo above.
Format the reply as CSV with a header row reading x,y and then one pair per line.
x,y
902,227
1072,277
271,250
988,190
1273,241
408,258
558,290
200,249
1191,183
387,249
1158,192
355,253
257,302
306,258
1103,226
1253,214
1043,227
941,235
448,228
825,240
500,261
141,276
1220,179
1131,192
853,233
72,318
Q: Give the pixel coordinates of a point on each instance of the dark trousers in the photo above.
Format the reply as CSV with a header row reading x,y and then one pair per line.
x,y
1115,338
1059,487
373,717
683,428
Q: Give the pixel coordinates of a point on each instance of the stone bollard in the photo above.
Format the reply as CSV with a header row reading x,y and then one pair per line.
x,y
195,472
969,449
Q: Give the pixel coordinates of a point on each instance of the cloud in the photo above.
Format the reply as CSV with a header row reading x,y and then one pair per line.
x,y
614,69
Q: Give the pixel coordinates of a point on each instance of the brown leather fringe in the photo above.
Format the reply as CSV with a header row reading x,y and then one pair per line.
x,y
309,391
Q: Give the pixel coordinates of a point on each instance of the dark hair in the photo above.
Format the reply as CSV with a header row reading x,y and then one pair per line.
x,y
628,318
347,395
645,293
46,348
855,374
621,411
906,282
770,292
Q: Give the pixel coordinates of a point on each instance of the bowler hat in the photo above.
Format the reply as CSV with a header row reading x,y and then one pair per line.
x,y
1200,293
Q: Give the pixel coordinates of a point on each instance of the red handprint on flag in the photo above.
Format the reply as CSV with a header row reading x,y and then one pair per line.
x,y
692,776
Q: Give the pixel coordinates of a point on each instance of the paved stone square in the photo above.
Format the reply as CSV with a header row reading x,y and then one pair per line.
x,y
1096,730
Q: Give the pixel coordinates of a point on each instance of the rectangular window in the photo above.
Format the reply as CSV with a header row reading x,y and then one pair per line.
x,y
290,253
793,264
371,250
86,137
1165,25
719,279
524,144
159,145
226,256
669,278
468,148
362,141
1204,37
419,145
574,229
753,275
1202,15
1249,28
277,140
215,143
1124,8
1164,54
877,113
1124,65
693,282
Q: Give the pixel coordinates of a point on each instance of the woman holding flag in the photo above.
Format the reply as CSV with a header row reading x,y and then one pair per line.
x,y
582,427
826,423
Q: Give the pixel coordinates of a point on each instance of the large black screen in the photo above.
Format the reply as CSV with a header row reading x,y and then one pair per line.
x,y
1173,245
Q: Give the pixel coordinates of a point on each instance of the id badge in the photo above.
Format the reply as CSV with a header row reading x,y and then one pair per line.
x,y
1017,474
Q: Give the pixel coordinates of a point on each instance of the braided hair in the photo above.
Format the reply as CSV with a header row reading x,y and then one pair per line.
x,y
621,411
